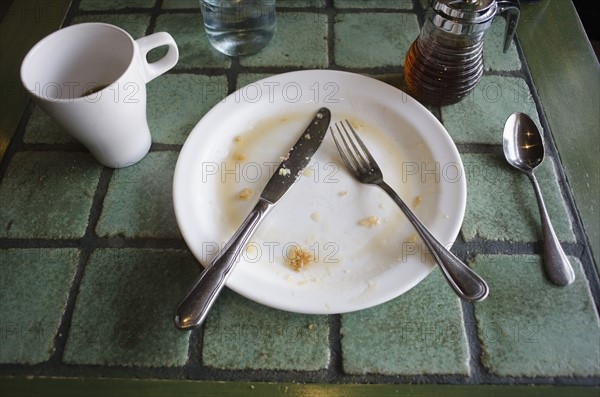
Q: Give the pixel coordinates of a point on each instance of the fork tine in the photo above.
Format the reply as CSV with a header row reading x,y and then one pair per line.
x,y
365,151
350,154
362,164
343,154
356,156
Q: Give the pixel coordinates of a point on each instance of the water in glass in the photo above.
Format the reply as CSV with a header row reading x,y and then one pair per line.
x,y
239,27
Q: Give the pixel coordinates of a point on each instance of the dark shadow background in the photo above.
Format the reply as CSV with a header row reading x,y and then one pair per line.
x,y
589,12
4,6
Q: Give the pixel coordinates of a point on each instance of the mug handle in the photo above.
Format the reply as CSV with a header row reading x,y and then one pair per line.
x,y
148,43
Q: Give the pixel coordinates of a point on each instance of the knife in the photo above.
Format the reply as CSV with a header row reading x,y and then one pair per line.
x,y
194,308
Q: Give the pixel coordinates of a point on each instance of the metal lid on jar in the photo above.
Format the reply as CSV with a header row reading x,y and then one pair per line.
x,y
463,16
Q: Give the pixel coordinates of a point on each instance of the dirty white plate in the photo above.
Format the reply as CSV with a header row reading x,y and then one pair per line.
x,y
237,146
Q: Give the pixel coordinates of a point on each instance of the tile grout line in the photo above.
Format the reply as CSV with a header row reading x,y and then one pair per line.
x,y
155,11
62,334
194,364
331,14
16,142
419,11
335,367
474,347
73,11
86,251
264,375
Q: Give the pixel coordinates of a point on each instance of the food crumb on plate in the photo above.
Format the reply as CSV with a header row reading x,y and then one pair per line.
x,y
298,258
237,156
370,221
412,239
252,249
356,124
315,216
418,201
238,139
245,194
343,193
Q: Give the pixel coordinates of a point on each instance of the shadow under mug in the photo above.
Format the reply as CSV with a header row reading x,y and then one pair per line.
x,y
91,78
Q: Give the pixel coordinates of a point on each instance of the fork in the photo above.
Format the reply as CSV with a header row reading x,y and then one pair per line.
x,y
361,164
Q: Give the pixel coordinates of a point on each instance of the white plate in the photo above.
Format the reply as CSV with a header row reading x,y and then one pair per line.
x,y
356,266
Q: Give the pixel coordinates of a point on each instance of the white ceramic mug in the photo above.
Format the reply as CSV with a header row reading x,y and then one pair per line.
x,y
91,78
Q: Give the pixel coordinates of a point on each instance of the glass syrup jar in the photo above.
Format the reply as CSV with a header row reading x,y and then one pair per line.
x,y
445,62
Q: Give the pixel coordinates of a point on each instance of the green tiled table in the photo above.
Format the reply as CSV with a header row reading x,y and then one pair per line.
x,y
92,262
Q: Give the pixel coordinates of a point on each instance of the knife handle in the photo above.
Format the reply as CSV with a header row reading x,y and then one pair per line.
x,y
194,308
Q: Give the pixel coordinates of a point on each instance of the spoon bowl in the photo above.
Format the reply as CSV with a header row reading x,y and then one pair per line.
x,y
522,142
524,149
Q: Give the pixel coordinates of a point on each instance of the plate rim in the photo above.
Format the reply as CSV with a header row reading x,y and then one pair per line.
x,y
337,76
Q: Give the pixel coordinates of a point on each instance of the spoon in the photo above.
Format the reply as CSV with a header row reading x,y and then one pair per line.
x,y
524,149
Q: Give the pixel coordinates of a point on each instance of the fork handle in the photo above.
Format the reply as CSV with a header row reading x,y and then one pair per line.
x,y
466,283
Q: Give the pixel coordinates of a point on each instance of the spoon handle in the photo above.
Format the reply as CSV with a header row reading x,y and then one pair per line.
x,y
558,268
466,283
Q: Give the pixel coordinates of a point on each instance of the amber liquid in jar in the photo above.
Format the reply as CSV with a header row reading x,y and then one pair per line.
x,y
441,68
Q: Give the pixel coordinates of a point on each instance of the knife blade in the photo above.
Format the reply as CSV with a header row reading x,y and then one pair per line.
x,y
193,309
